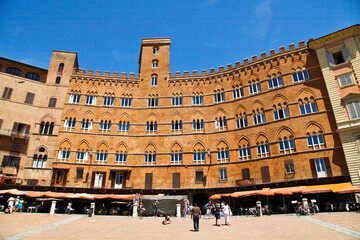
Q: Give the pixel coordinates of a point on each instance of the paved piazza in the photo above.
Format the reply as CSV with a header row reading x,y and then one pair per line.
x,y
43,226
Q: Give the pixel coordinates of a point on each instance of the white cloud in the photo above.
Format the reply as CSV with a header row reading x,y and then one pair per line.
x,y
263,16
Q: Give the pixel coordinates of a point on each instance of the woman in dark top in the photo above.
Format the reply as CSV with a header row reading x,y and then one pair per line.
x,y
217,211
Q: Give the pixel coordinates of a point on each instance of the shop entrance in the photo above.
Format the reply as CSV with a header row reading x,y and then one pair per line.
x,y
201,199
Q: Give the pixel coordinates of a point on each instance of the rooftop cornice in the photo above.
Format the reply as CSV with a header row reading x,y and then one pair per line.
x,y
155,41
247,66
352,31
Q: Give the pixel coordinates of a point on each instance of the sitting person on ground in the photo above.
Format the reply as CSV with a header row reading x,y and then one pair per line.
x,y
167,219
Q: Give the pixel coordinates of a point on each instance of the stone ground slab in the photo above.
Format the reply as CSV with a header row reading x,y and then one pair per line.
x,y
119,227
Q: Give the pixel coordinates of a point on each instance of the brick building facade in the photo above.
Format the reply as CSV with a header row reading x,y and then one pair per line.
x,y
265,122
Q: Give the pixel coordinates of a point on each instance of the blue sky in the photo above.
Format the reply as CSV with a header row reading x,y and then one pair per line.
x,y
204,34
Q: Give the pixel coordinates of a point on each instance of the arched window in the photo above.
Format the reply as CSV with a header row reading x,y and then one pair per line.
x,y
259,116
307,106
150,157
61,67
176,126
151,127
87,124
120,158
223,155
39,161
197,99
199,156
275,82
13,71
101,156
263,149
254,87
105,126
238,92
287,145
241,120
219,97
154,80
46,128
176,157
281,111
198,125
58,80
155,64
315,140
124,127
300,76
69,123
220,123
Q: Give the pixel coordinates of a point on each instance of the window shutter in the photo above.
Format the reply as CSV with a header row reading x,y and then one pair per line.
x,y
5,92
265,174
4,162
313,168
27,129
148,180
245,173
93,179
53,177
104,180
176,180
330,59
328,167
346,54
65,177
1,121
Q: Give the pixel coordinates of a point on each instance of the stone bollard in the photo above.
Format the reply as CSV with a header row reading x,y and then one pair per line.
x,y
135,213
53,206
258,208
92,209
178,210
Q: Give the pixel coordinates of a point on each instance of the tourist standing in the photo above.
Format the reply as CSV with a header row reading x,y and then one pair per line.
x,y
17,201
156,208
227,212
217,211
195,215
141,210
186,206
20,205
10,203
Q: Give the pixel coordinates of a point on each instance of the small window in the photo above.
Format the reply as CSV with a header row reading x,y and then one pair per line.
x,y
176,101
244,153
263,149
108,101
259,117
150,158
90,100
199,156
220,123
315,141
58,80
307,106
199,176
223,155
52,102
289,167
101,157
155,64
339,57
79,172
1,122
13,71
223,174
345,80
176,126
120,158
241,121
176,157
74,98
16,146
354,109
7,93
280,112
105,126
154,80
198,125
155,50
32,76
287,145
124,127
29,98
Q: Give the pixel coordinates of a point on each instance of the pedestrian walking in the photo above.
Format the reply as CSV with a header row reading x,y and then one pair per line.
x,y
195,215
68,208
217,211
10,203
17,201
227,212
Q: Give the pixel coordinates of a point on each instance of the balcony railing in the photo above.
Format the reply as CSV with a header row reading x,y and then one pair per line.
x,y
16,134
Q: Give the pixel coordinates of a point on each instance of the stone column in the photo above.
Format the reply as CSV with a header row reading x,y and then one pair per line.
x,y
53,206
92,209
258,208
178,210
135,213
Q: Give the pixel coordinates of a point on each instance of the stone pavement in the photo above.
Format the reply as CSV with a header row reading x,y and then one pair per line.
x,y
43,226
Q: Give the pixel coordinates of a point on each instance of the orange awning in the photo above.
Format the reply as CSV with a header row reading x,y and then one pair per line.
x,y
351,189
215,196
245,193
266,192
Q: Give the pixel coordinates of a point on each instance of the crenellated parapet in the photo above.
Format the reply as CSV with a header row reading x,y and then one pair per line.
x,y
247,68
79,75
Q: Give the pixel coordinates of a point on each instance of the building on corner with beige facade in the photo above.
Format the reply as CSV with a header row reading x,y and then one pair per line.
x,y
339,58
